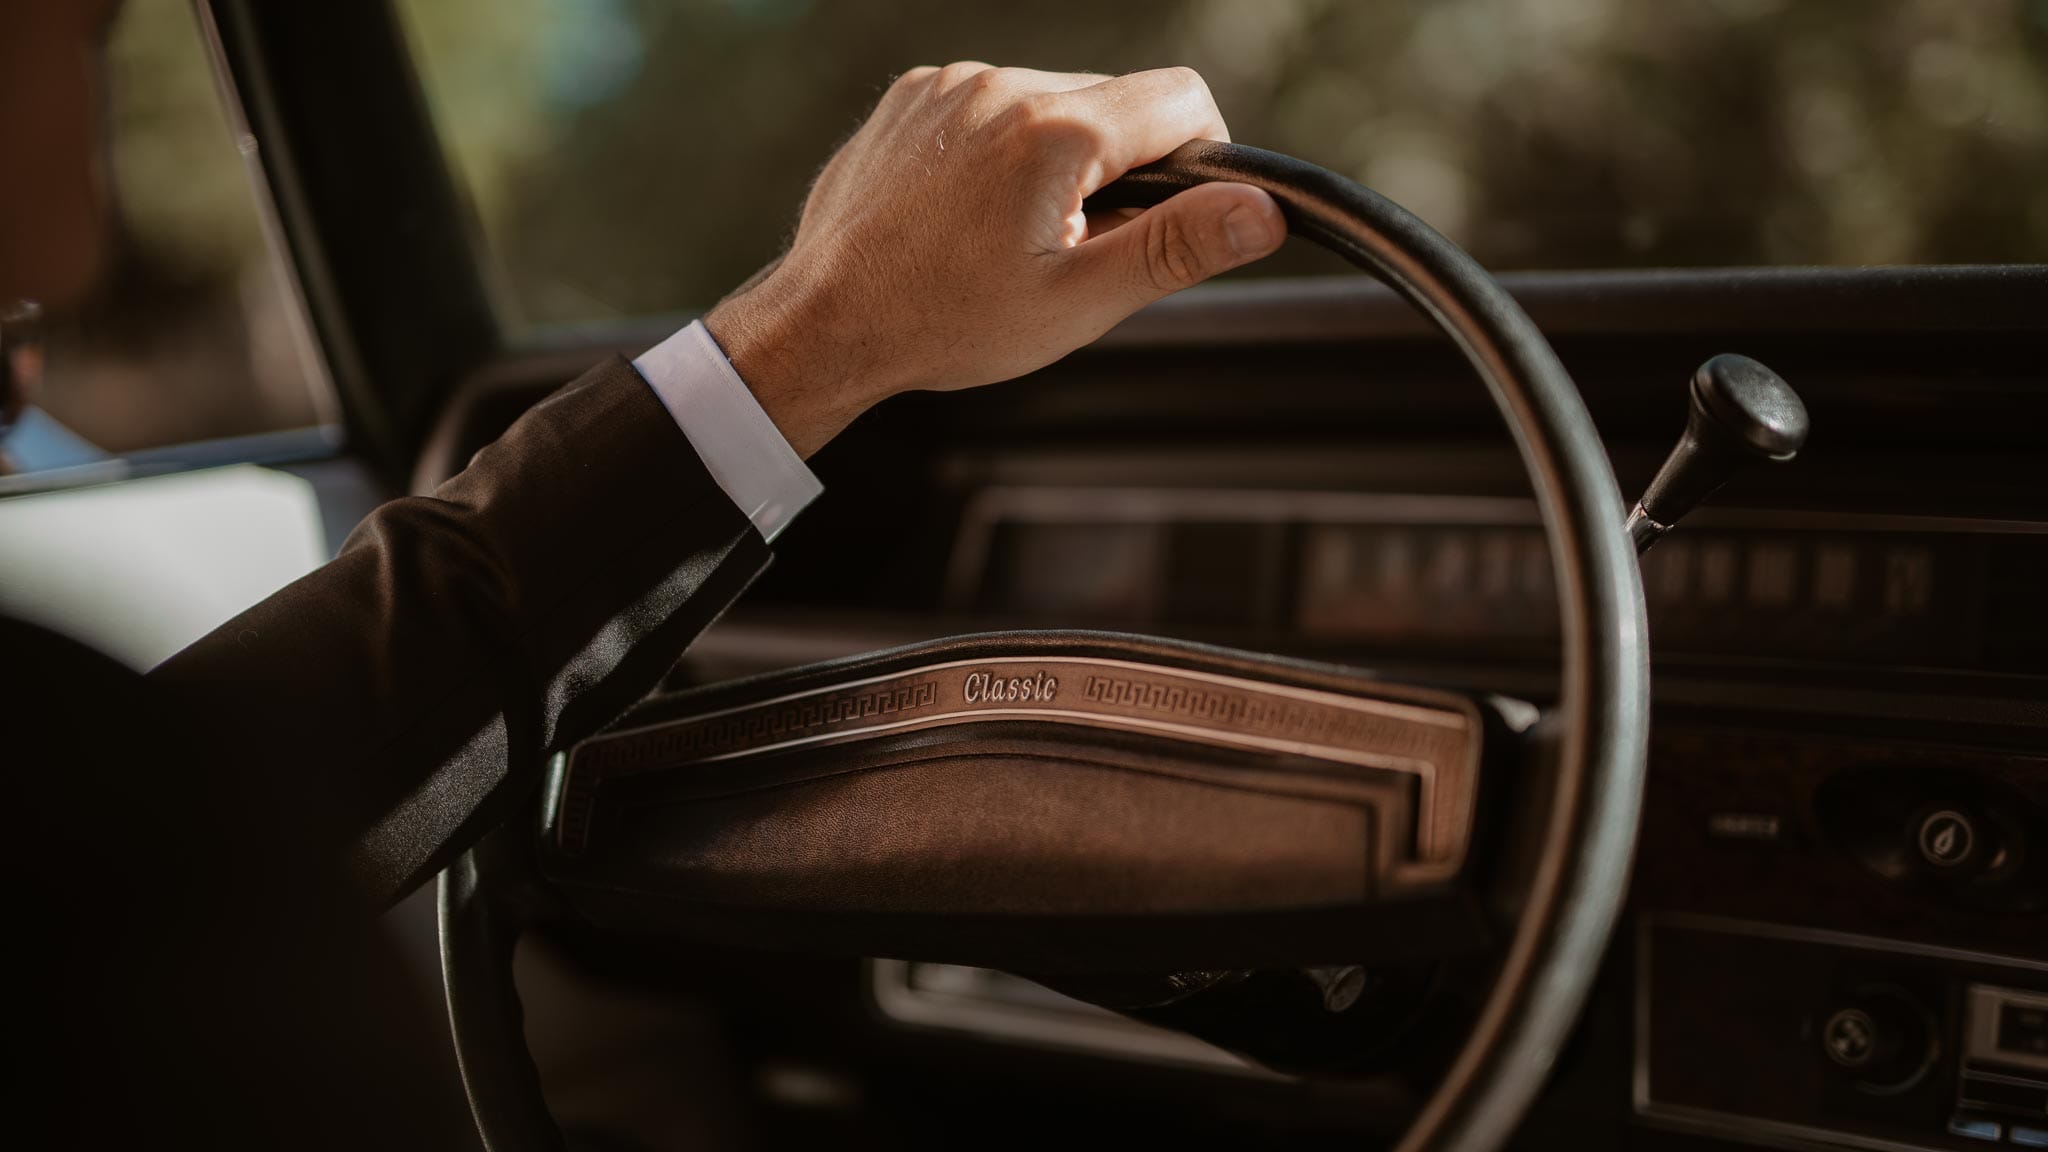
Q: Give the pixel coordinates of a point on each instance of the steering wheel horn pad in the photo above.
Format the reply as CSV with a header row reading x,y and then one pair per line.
x,y
1014,799
1041,801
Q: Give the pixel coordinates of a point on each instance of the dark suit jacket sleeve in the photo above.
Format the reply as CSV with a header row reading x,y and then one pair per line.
x,y
368,720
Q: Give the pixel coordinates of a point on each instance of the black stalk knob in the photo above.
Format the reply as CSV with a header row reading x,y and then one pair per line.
x,y
1741,412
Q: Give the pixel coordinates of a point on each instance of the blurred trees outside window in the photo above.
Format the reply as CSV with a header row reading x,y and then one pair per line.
x,y
635,157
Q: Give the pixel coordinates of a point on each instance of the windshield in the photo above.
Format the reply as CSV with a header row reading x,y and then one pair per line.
x,y
633,157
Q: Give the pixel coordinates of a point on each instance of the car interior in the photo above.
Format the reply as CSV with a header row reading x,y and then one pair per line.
x,y
1587,692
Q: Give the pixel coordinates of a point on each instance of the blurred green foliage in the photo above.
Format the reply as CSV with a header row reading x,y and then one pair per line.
x,y
182,191
637,156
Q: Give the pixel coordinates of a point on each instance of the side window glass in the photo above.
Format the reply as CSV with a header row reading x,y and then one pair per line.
x,y
139,305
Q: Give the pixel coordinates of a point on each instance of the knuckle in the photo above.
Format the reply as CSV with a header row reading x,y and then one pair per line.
x,y
1044,120
959,72
1028,114
1173,257
983,85
914,78
1183,76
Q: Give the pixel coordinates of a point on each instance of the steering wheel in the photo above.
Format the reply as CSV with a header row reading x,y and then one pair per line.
x,y
1091,803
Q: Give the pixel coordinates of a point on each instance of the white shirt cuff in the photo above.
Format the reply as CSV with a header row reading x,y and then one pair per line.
x,y
739,444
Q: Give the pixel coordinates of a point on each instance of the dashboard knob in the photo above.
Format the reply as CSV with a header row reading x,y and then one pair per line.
x,y
1881,1037
1851,1038
1953,841
1741,412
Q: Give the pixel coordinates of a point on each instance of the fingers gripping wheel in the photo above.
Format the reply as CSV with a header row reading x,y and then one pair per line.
x,y
1069,801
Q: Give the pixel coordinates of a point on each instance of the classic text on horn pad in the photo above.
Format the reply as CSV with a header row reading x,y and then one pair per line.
x,y
1438,745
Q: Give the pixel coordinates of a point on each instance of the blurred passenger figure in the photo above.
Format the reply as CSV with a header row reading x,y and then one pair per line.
x,y
52,215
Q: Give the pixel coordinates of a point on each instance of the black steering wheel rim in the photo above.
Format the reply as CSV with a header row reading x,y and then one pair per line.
x,y
1587,842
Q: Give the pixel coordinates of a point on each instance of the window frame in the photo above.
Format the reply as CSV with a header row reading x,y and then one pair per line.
x,y
394,299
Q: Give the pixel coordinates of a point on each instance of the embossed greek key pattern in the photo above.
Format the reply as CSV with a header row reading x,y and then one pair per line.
x,y
1271,715
688,740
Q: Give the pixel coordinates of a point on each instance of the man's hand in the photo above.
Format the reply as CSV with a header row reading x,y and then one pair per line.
x,y
945,245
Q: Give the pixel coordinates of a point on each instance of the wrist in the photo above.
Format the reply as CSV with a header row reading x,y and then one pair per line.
x,y
809,382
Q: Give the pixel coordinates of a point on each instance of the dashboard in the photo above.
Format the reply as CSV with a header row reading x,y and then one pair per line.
x,y
1838,927
1467,573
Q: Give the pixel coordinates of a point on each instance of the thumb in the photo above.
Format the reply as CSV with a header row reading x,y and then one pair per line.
x,y
1180,242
